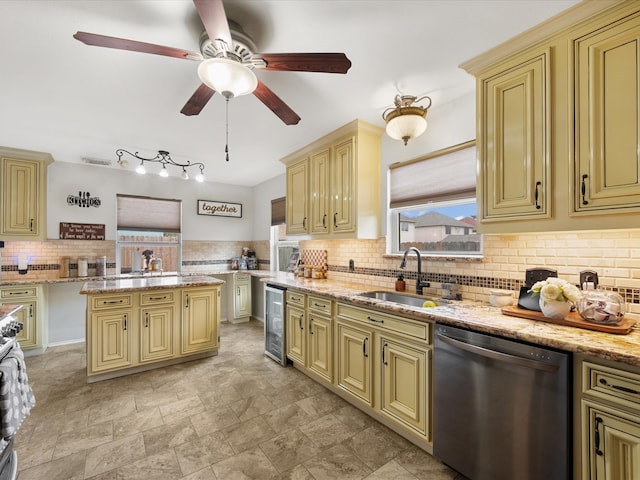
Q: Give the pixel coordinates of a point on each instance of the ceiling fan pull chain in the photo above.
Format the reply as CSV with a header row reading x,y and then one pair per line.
x,y
226,147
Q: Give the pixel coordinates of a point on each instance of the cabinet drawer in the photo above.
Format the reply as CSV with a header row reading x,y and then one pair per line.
x,y
391,323
296,298
319,305
155,297
617,386
102,302
21,292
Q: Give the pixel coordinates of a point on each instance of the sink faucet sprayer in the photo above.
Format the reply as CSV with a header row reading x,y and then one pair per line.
x,y
419,283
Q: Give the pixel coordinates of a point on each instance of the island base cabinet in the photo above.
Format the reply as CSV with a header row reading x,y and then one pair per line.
x,y
157,333
110,341
613,444
404,383
200,320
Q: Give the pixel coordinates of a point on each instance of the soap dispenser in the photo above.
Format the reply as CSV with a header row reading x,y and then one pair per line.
x,y
400,284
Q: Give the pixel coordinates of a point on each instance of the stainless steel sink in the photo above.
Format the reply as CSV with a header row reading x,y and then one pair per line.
x,y
395,297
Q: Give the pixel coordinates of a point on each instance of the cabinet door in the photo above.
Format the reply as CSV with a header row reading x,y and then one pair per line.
x,y
343,194
20,197
295,335
201,310
320,191
27,337
404,384
607,119
110,340
157,333
321,346
515,171
297,197
614,446
242,296
354,362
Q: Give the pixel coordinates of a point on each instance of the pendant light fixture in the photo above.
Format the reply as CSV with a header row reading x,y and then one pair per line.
x,y
406,120
164,159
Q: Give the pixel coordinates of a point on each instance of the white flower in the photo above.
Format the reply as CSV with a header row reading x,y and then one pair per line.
x,y
556,289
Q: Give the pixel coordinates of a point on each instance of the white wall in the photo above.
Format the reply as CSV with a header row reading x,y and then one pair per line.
x,y
262,196
65,179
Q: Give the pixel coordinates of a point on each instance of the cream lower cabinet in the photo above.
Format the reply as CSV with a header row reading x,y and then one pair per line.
x,y
295,326
320,337
239,298
31,315
135,331
201,312
608,399
384,361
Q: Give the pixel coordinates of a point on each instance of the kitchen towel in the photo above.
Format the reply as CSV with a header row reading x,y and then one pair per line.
x,y
16,396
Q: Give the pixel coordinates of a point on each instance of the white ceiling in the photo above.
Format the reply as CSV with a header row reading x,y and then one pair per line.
x,y
72,100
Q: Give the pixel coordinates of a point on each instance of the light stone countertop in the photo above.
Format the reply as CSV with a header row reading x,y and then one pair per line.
x,y
6,310
483,318
147,283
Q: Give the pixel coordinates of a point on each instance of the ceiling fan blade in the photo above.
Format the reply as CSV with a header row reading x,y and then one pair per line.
x,y
134,46
305,62
214,20
276,105
198,100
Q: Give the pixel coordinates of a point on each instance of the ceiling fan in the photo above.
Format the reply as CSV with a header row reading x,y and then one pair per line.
x,y
232,52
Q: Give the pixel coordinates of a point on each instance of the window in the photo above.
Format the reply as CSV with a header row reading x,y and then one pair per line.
x,y
148,228
433,204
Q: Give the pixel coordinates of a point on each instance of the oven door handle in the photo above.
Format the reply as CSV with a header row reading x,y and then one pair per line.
x,y
502,357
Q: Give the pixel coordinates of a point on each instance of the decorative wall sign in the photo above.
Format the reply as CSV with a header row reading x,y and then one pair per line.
x,y
83,199
219,209
81,231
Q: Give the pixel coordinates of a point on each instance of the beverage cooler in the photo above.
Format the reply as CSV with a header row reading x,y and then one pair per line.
x,y
274,338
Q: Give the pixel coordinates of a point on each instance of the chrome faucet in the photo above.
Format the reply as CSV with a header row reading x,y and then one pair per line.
x,y
419,283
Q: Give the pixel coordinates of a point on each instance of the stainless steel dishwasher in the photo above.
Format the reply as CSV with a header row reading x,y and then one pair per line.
x,y
501,408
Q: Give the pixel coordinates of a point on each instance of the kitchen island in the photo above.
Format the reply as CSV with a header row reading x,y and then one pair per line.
x,y
136,324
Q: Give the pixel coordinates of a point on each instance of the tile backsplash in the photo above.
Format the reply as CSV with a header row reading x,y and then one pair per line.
x,y
613,254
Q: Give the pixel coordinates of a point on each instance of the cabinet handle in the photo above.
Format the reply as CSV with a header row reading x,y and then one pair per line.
x,y
304,222
187,302
619,387
112,302
18,293
375,320
324,221
384,362
536,194
146,321
31,224
124,325
300,322
597,436
583,189
335,220
238,289
30,311
311,326
364,347
158,298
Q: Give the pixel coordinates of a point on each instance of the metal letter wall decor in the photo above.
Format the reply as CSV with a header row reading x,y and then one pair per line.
x,y
83,199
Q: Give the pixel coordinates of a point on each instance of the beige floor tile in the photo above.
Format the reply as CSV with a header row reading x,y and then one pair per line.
x,y
289,449
253,406
168,436
159,466
339,462
198,454
287,417
248,465
137,422
391,471
246,435
327,431
114,454
67,468
79,441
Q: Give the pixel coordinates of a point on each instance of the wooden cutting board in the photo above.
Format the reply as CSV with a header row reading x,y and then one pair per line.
x,y
572,320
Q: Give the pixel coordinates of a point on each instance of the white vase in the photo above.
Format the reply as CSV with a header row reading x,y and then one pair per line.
x,y
555,309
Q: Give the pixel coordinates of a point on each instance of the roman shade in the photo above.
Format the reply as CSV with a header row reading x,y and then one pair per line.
x,y
278,206
446,174
148,214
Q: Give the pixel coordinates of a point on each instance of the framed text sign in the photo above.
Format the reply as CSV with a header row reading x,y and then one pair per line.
x,y
81,231
219,209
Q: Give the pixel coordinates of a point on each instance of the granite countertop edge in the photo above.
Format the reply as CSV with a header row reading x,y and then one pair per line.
x,y
482,318
148,283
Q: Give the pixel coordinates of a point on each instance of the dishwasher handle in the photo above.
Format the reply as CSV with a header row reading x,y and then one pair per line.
x,y
495,355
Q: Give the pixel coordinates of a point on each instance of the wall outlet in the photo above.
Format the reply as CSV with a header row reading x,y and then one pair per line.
x,y
352,266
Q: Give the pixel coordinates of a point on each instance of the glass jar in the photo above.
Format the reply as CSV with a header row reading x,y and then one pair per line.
x,y
601,306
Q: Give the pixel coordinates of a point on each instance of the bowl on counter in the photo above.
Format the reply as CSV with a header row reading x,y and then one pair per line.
x,y
599,306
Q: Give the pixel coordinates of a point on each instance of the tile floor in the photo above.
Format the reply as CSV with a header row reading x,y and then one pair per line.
x,y
238,415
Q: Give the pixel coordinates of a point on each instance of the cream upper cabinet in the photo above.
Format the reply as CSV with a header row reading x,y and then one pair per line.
x,y
607,118
341,198
515,170
297,203
23,178
558,123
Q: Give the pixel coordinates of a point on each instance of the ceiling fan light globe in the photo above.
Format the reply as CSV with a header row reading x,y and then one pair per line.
x,y
227,77
406,125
